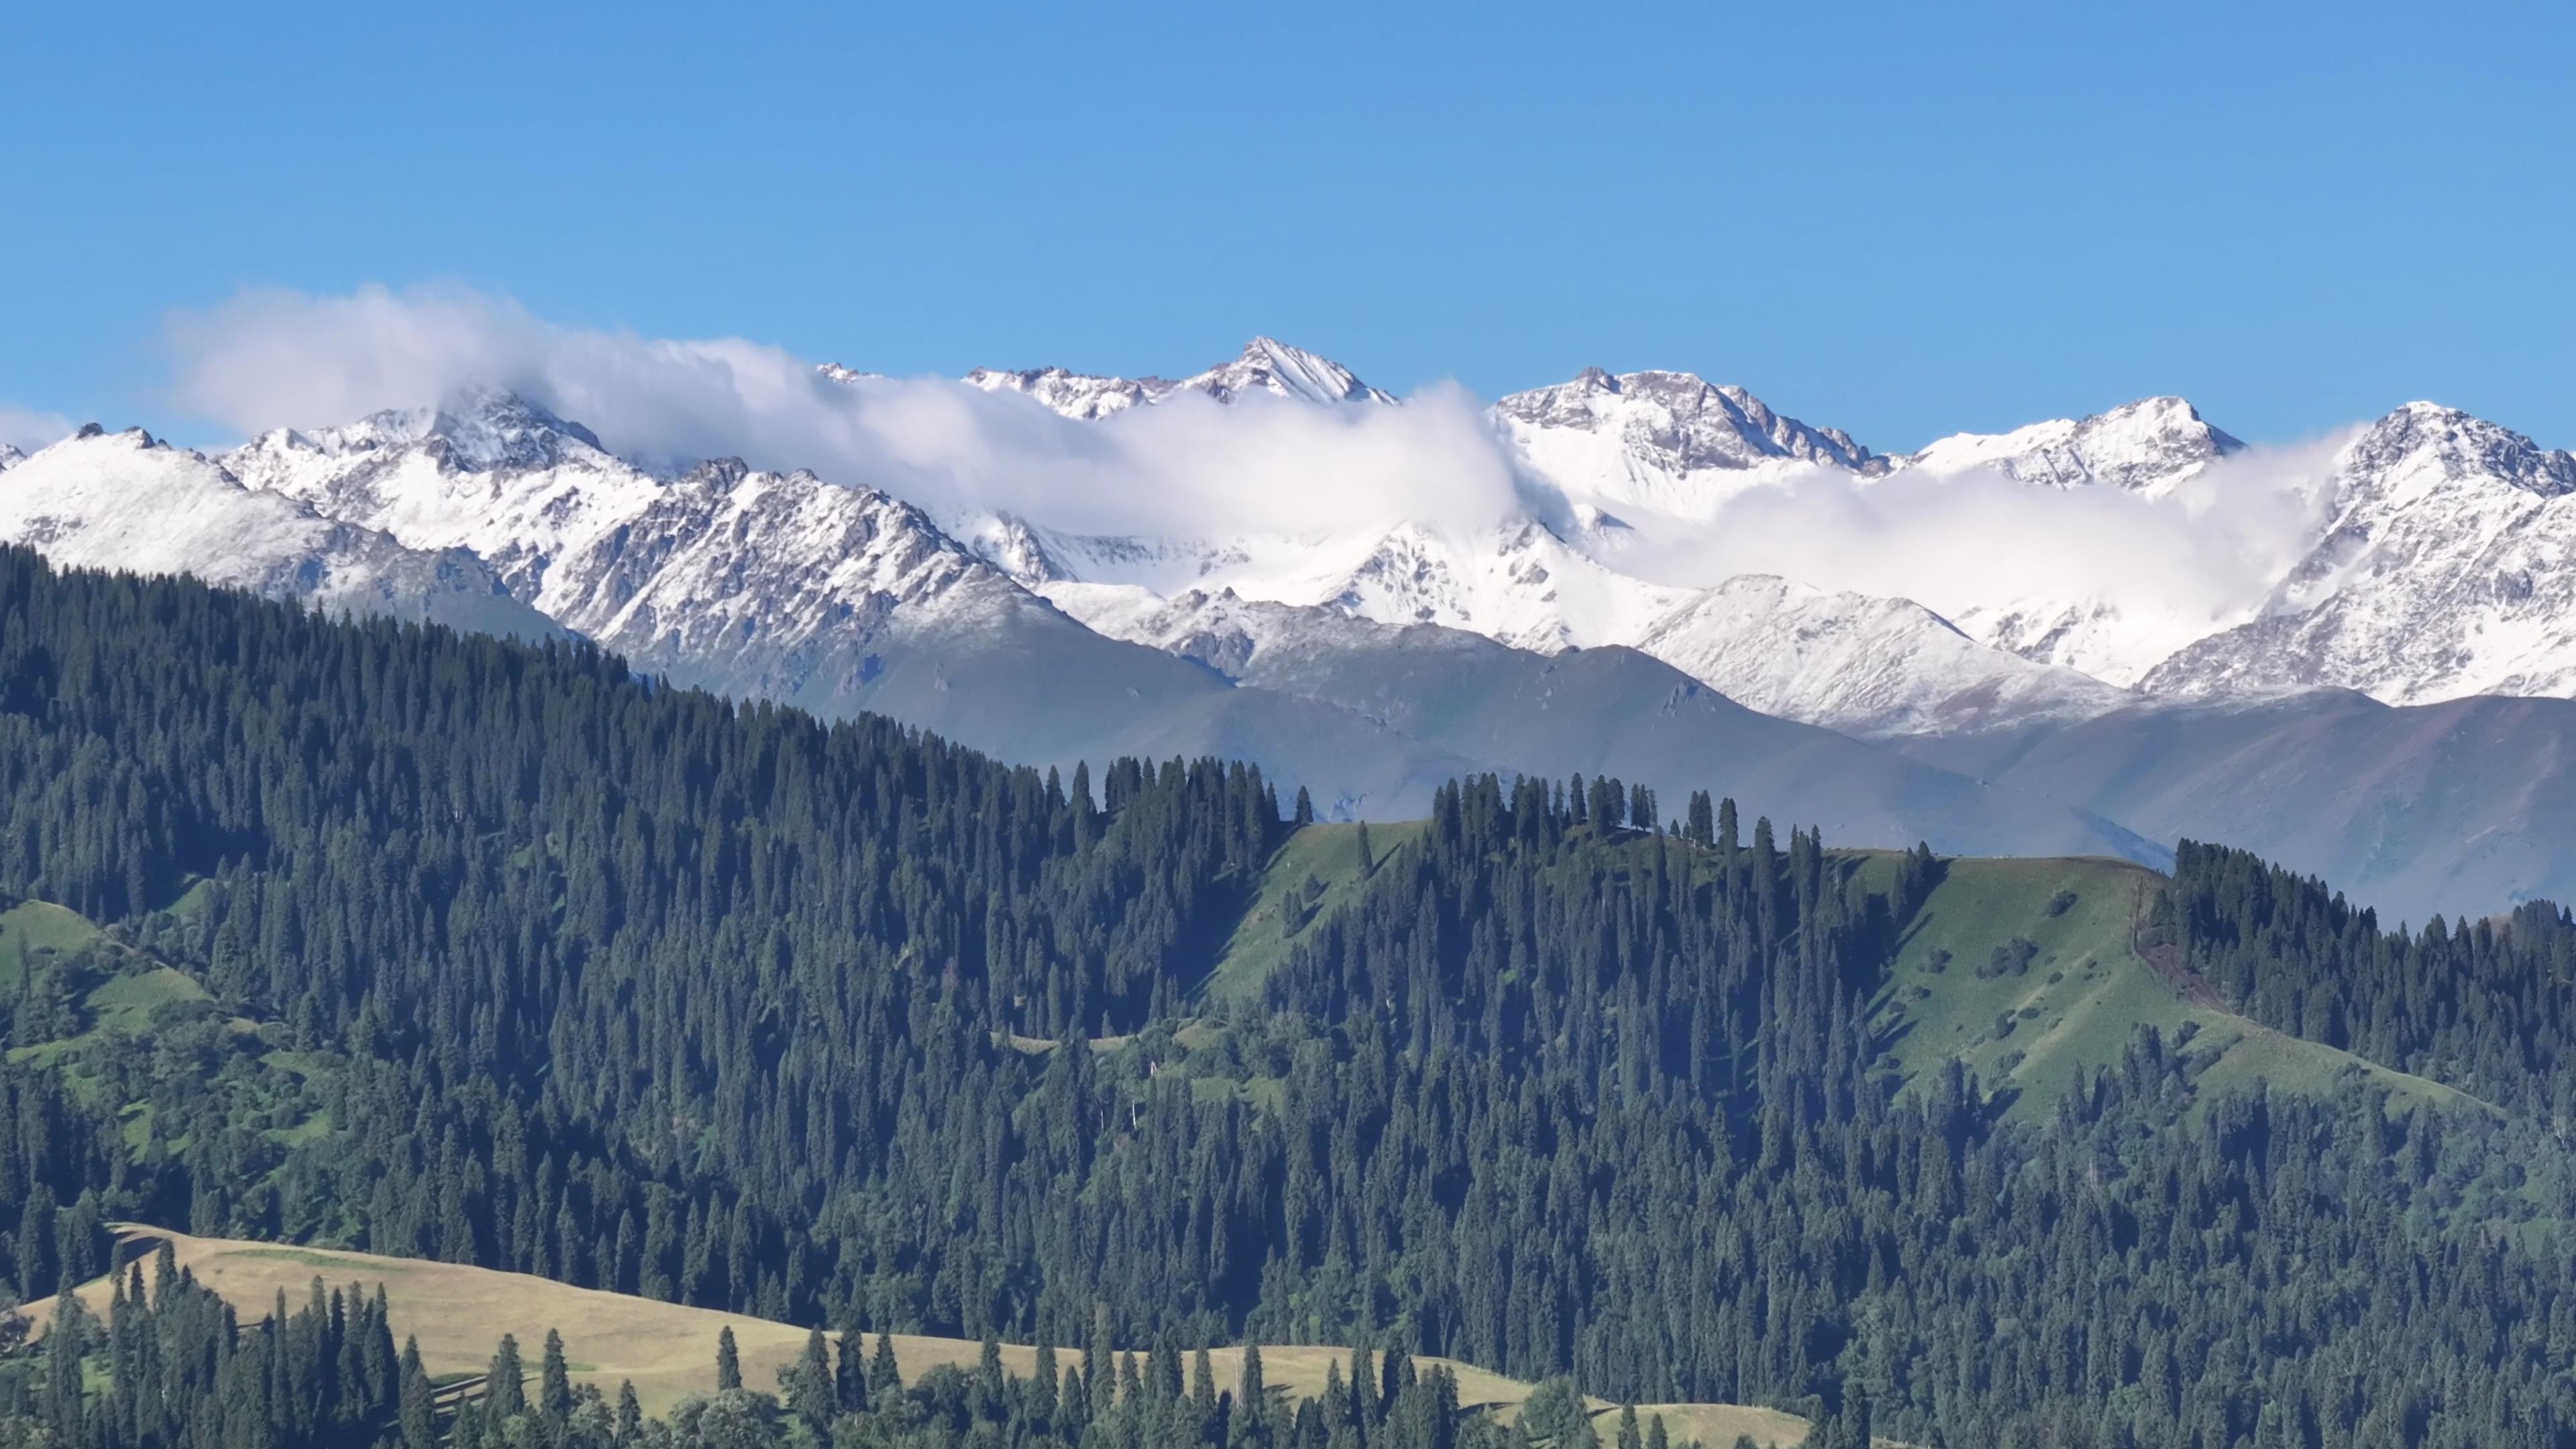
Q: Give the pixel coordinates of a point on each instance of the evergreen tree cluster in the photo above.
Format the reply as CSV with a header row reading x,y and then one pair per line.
x,y
642,990
2487,1006
176,1369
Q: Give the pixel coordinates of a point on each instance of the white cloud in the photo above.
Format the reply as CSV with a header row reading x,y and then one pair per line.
x,y
1959,542
283,359
2203,554
27,430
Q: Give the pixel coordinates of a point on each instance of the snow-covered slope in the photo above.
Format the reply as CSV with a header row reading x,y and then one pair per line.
x,y
1518,582
760,580
1664,442
2149,448
2448,568
126,501
488,472
1865,666
2146,446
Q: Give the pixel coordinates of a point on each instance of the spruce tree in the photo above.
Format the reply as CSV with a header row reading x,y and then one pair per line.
x,y
418,1420
554,1381
505,1383
728,1360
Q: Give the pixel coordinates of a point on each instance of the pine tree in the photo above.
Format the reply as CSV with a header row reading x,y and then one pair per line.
x,y
505,1392
850,1378
419,1423
882,1377
728,1360
630,1414
554,1381
808,1385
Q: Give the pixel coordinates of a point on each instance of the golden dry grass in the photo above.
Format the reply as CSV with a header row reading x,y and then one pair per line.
x,y
458,1313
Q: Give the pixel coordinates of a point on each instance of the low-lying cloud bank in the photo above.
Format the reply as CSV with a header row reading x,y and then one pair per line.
x,y
1191,467
2214,545
272,359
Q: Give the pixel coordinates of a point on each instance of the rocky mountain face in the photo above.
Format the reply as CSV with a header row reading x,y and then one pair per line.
x,y
2146,447
2443,571
1664,442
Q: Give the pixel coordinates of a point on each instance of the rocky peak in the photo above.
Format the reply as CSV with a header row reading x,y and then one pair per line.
x,y
1074,394
1679,422
1271,366
2459,444
2148,445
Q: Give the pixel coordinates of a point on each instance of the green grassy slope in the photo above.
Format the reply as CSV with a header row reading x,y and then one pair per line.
x,y
83,1001
111,988
1315,874
2081,995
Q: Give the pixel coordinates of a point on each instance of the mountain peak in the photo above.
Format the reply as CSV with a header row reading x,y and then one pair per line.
x,y
1266,365
1271,366
1674,423
2147,445
1077,395
475,427
2462,443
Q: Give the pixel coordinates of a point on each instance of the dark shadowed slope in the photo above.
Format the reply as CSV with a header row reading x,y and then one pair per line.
x,y
2462,807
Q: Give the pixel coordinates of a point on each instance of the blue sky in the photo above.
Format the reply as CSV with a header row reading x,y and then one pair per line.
x,y
1904,220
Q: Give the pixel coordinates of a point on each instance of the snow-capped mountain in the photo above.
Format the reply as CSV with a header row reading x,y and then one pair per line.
x,y
487,471
1272,367
2146,446
2448,568
1074,394
10,455
782,586
127,501
723,573
2430,512
1865,666
1266,366
1664,442
1640,446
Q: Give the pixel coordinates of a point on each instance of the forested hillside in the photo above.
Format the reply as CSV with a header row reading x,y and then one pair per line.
x,y
501,956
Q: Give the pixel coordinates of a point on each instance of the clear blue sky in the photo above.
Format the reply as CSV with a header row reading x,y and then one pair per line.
x,y
1900,219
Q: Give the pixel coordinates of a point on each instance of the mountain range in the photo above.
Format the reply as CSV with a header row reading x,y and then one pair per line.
x,y
2423,568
